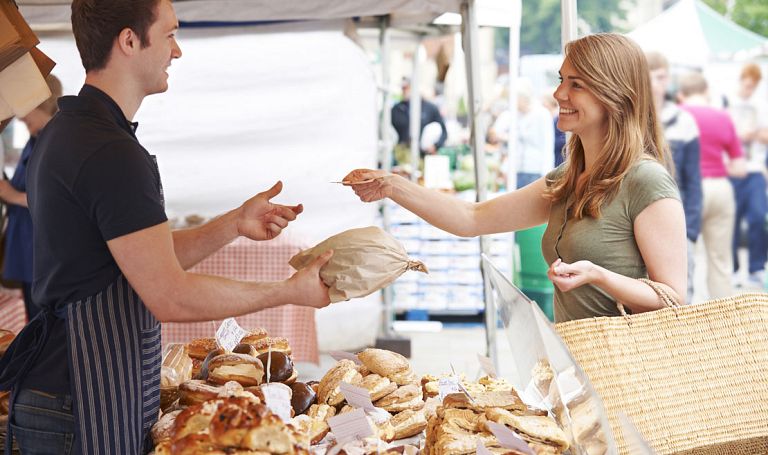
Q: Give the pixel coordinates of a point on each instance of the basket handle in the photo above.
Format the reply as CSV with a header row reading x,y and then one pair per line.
x,y
664,295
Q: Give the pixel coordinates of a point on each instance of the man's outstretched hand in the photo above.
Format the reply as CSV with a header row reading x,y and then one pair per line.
x,y
262,220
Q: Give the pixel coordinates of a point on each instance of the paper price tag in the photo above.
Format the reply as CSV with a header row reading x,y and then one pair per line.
x,y
447,386
357,397
278,399
350,425
509,439
344,355
481,449
229,334
487,365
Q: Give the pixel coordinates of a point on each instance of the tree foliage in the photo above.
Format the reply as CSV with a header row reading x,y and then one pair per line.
x,y
750,14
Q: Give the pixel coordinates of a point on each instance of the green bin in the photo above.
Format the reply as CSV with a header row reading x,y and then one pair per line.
x,y
531,275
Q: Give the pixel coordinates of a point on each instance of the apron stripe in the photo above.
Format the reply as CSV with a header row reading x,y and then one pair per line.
x,y
132,433
110,394
118,389
99,352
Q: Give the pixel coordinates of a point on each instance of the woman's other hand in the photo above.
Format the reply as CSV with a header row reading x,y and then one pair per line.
x,y
571,276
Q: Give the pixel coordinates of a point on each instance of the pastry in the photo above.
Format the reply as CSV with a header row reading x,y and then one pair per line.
x,y
383,363
377,386
163,428
497,399
328,390
408,423
302,397
193,444
200,347
233,419
254,335
538,429
404,377
280,366
6,338
245,348
193,420
277,344
196,391
243,368
403,394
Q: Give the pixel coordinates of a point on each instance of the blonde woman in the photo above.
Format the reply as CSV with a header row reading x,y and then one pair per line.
x,y
613,209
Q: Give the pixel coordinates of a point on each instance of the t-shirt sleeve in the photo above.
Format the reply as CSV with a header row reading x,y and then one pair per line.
x,y
555,173
120,189
648,183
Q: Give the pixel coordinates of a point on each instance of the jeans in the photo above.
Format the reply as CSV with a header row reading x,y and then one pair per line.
x,y
42,423
751,203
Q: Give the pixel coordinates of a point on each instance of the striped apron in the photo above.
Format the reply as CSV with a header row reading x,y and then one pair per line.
x,y
114,350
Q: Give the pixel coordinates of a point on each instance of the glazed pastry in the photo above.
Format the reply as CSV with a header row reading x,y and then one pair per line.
x,y
302,397
200,347
163,428
280,366
196,391
377,386
329,391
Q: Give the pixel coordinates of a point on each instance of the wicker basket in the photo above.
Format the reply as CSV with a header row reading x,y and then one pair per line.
x,y
693,379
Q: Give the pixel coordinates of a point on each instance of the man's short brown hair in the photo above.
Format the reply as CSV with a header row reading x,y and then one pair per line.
x,y
96,24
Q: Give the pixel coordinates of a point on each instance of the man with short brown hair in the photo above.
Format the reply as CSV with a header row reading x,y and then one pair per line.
x,y
85,373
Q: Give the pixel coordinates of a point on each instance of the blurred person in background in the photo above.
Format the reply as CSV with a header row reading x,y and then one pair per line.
x,y
682,136
432,129
17,264
612,209
750,191
532,151
550,103
717,135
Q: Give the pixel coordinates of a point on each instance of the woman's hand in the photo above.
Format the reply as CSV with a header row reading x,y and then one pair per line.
x,y
571,276
370,185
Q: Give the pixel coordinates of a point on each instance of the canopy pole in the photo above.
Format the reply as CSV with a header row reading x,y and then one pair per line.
x,y
414,112
569,30
469,31
385,155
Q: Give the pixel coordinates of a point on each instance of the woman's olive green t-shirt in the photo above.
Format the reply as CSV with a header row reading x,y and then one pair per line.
x,y
608,241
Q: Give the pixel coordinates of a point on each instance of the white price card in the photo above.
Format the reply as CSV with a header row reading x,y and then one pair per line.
x,y
447,386
229,334
509,439
344,355
481,449
357,397
350,425
278,399
487,365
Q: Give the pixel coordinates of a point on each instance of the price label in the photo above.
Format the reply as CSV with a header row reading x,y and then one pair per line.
x,y
509,439
344,355
229,334
278,399
487,365
357,397
481,449
350,425
447,386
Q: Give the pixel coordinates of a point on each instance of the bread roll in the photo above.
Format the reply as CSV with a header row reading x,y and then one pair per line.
x,y
200,347
383,363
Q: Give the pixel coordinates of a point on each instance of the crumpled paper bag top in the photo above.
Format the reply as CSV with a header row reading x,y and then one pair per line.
x,y
364,260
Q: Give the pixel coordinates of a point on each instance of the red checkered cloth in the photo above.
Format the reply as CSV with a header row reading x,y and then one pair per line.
x,y
249,260
13,316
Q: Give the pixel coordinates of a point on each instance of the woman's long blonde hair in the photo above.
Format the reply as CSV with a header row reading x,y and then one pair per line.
x,y
615,71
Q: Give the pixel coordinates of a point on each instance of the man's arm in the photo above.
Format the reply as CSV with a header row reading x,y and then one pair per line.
x,y
257,219
149,262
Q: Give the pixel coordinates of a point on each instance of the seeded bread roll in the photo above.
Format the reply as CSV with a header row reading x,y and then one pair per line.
x,y
254,336
200,347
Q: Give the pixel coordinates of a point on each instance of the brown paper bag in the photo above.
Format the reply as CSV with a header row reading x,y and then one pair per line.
x,y
364,260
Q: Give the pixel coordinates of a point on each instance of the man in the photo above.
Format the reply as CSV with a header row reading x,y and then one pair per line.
x,y
431,121
682,135
107,268
717,135
751,201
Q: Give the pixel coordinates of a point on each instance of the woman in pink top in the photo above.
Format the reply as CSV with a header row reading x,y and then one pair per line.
x,y
717,136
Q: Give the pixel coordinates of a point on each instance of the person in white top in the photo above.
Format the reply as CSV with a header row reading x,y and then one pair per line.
x,y
532,152
750,191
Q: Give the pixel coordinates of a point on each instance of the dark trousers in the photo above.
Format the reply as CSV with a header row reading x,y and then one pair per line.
x,y
32,309
752,205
